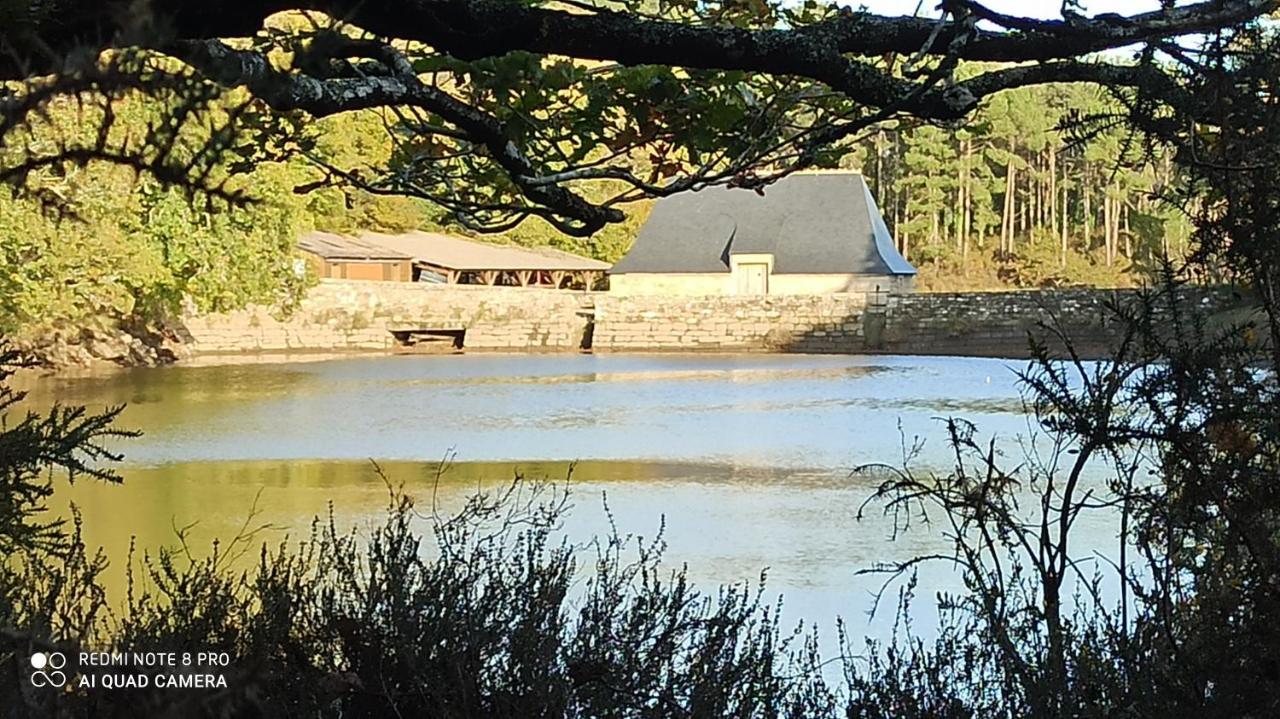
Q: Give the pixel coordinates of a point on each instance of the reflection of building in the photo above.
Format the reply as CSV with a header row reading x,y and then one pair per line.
x,y
809,233
457,260
351,258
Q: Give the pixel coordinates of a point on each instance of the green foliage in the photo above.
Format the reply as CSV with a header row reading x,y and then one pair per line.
x,y
124,249
83,241
358,142
55,270
33,448
88,241
1015,199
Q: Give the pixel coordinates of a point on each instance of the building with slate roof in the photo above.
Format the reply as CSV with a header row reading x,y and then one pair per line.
x,y
809,233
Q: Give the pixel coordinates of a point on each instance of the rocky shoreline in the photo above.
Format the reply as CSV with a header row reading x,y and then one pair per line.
x,y
103,343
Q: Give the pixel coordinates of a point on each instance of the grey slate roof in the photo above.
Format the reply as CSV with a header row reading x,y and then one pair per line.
x,y
824,222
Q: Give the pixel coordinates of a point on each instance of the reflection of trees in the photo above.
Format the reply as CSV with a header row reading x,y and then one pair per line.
x,y
170,397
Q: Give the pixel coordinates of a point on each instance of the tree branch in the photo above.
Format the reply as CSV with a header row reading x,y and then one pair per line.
x,y
321,98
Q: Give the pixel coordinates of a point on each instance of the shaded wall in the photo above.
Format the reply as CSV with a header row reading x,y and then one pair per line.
x,y
995,324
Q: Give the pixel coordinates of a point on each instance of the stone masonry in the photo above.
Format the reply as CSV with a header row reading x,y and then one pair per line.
x,y
351,315
996,324
341,315
786,323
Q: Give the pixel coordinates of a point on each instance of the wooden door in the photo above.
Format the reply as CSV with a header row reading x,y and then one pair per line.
x,y
753,278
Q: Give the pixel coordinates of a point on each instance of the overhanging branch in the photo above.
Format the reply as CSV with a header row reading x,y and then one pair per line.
x,y
324,97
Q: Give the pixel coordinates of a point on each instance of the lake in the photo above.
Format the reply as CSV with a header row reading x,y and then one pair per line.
x,y
745,461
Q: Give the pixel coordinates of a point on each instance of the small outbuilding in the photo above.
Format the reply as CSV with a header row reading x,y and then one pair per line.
x,y
808,233
458,260
352,258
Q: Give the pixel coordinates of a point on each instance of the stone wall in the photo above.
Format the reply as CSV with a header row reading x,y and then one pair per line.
x,y
992,324
355,315
996,323
796,323
350,315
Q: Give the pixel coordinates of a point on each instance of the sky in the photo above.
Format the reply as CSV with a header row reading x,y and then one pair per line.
x,y
1024,8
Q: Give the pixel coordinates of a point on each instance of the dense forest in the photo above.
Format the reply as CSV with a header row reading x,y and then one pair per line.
x,y
1041,187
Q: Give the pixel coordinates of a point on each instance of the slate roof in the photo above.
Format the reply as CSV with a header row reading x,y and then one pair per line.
x,y
341,247
459,253
821,222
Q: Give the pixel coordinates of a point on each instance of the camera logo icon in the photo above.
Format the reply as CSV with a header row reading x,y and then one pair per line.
x,y
48,669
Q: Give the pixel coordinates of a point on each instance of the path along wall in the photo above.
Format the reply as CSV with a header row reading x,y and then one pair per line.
x,y
352,315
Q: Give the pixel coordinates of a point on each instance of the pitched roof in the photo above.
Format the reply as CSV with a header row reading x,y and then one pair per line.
x,y
458,253
810,222
341,247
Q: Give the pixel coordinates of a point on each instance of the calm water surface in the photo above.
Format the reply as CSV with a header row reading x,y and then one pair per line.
x,y
745,460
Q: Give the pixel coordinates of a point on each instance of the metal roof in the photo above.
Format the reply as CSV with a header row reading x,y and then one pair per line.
x,y
458,253
341,247
812,223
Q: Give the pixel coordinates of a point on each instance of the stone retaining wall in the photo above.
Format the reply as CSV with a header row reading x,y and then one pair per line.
x,y
794,323
979,323
996,323
356,315
352,315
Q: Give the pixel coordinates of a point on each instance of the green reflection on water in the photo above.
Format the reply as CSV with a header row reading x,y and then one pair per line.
x,y
210,501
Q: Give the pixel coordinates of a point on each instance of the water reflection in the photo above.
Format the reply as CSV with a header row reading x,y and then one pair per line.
x,y
725,523
745,459
766,410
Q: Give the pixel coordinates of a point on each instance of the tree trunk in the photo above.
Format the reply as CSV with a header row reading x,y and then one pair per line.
x,y
1006,221
966,206
1062,254
1088,210
1106,227
1128,236
1053,188
1033,189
